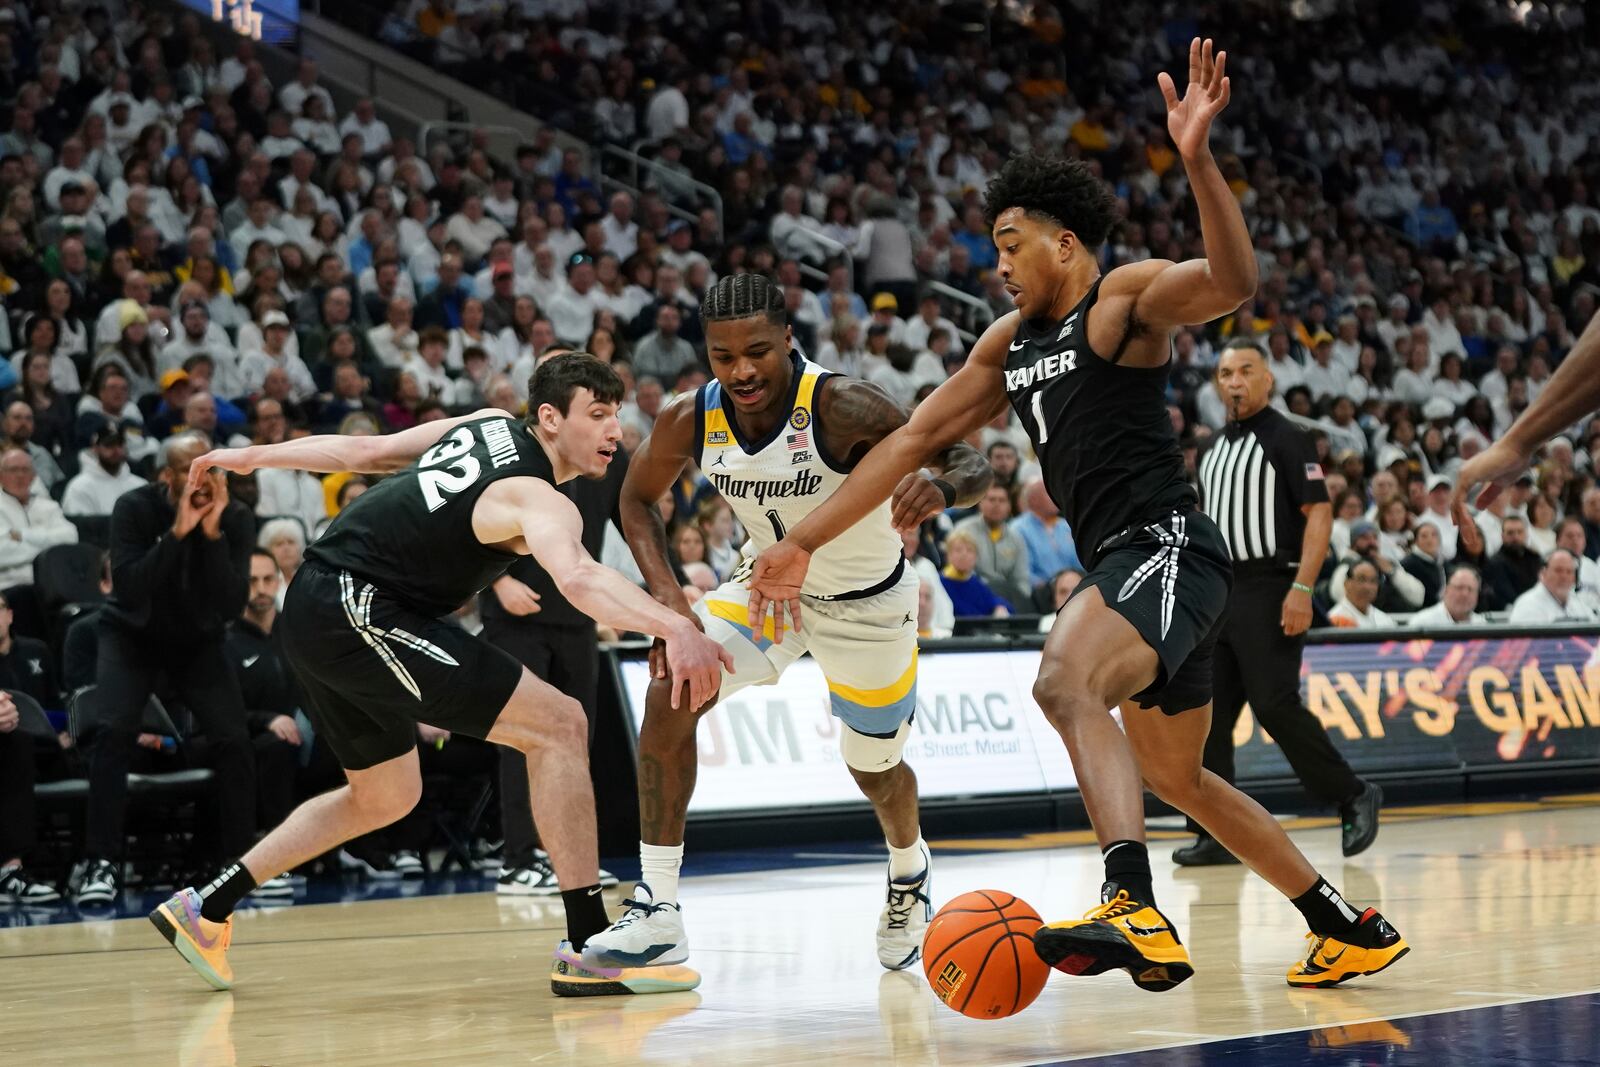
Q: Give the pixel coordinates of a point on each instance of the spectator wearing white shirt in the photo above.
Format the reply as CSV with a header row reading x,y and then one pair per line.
x,y
198,335
30,522
365,123
474,230
1414,383
1450,385
621,232
1347,343
1286,370
1507,365
314,126
925,321
572,311
905,371
1396,326
258,227
1457,606
667,113
1324,376
283,492
1553,598
502,204
1570,535
292,97
1356,608
428,369
274,353
395,341
95,488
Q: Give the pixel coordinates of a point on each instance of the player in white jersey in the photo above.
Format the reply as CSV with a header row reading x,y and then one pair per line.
x,y
776,434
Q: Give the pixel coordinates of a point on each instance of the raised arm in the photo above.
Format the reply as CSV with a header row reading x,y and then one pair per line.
x,y
651,472
1572,392
1197,290
857,415
550,524
329,452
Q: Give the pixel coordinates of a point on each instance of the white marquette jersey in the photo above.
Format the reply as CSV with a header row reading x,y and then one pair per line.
x,y
773,483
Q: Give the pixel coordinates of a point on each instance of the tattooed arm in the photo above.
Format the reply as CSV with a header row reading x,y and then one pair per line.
x,y
856,415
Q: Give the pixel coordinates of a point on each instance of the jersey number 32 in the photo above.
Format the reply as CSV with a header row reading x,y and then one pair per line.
x,y
447,468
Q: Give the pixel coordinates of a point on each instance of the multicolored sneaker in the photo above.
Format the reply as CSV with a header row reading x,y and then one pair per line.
x,y
1124,933
179,921
1374,946
571,976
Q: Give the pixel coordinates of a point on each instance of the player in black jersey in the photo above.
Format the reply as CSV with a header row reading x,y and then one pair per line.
x,y
1083,361
362,629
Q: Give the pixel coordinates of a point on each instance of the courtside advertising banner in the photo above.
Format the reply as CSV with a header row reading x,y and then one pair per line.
x,y
1389,705
977,732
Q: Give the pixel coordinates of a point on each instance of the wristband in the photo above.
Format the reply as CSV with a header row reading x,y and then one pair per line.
x,y
1301,588
948,490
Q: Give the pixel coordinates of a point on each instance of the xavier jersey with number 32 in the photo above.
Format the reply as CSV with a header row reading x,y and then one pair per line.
x,y
773,483
1105,443
411,534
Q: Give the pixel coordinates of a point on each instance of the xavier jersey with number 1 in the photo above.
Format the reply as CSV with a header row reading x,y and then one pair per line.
x,y
773,483
411,534
1105,443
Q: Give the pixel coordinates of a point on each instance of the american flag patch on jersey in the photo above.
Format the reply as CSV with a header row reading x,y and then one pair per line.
x,y
799,440
1314,472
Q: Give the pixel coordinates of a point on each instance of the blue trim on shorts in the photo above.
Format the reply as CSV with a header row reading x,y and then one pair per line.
x,y
874,721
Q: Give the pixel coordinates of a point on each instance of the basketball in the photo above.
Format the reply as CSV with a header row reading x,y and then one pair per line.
x,y
978,954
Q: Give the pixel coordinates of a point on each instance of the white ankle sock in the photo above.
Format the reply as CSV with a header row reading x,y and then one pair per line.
x,y
658,866
909,861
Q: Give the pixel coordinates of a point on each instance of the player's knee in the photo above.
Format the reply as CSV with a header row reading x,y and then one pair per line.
x,y
389,802
1062,695
1177,786
659,695
557,724
871,758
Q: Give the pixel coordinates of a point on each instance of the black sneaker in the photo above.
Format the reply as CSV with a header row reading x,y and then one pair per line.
x,y
1206,851
1359,819
15,883
101,884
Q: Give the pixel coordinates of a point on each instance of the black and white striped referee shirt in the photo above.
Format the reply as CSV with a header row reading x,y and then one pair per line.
x,y
1255,476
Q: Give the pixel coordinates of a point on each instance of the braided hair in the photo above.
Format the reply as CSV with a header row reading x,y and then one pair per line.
x,y
743,296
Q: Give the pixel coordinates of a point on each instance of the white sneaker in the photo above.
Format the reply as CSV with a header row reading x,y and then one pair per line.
x,y
278,887
647,935
537,879
907,910
607,879
349,861
408,863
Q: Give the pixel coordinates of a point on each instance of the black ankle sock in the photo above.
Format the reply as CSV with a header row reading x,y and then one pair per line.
x,y
224,894
1327,913
586,914
1128,865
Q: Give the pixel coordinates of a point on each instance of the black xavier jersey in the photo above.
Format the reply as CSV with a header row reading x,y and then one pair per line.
x,y
1105,443
411,534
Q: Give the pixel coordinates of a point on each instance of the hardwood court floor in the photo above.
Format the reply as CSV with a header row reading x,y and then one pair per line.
x,y
1499,908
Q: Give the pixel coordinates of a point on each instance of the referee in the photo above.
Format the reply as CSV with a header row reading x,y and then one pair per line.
x,y
1260,482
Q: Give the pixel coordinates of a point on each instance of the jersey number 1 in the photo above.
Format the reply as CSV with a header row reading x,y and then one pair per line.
x,y
1038,416
447,468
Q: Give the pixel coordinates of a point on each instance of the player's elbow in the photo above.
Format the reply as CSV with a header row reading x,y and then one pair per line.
x,y
1234,287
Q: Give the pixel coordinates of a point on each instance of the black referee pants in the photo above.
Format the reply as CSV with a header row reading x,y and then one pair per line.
x,y
568,657
126,675
1256,662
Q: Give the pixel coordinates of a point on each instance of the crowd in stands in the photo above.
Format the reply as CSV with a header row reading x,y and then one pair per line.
x,y
189,247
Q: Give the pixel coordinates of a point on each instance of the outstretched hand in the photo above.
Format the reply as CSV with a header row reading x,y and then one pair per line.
x,y
775,582
1189,119
1495,468
227,459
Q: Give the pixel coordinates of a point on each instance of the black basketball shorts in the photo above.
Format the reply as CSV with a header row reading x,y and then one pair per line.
x,y
372,667
1170,578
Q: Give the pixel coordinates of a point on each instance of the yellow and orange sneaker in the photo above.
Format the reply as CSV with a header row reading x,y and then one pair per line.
x,y
178,919
1124,933
1374,946
572,976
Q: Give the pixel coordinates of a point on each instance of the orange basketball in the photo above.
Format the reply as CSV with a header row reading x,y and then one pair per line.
x,y
978,954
